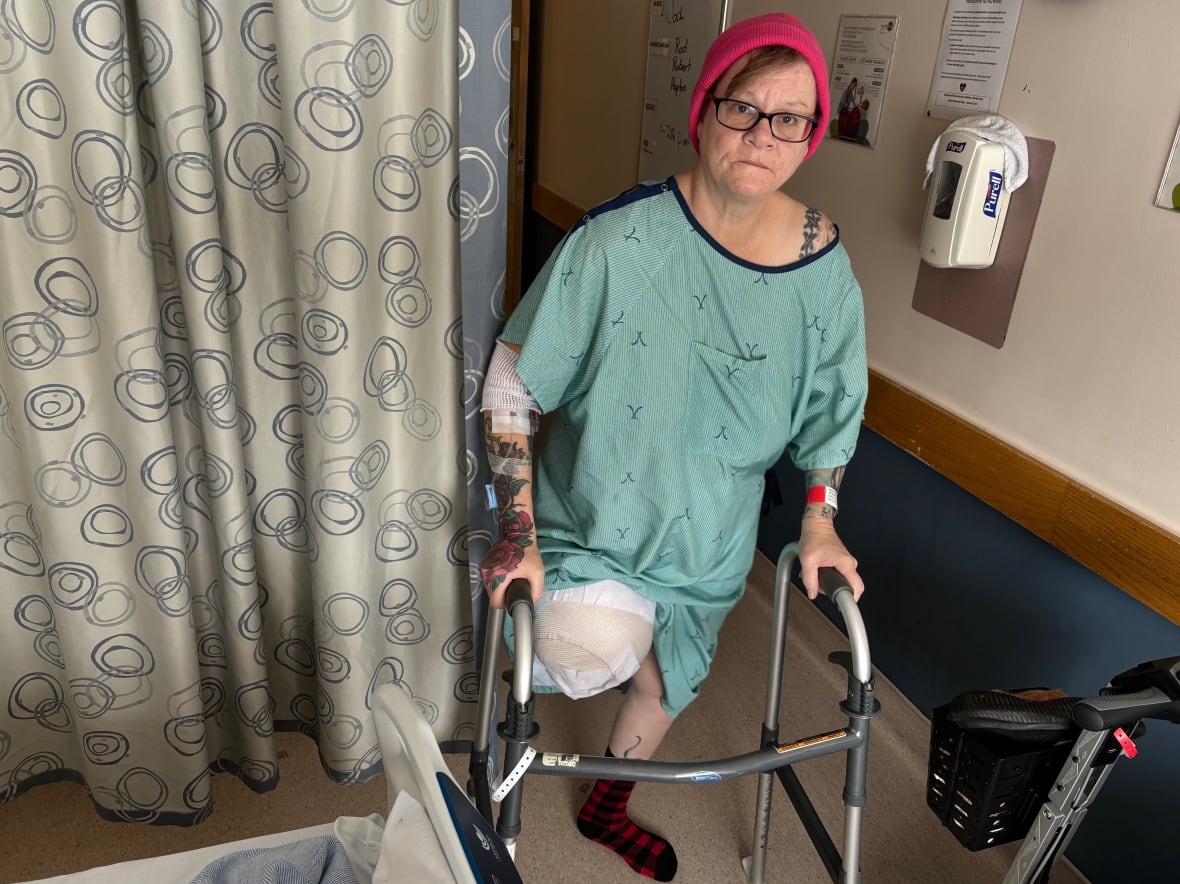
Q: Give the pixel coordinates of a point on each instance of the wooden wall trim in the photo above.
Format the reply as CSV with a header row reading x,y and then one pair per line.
x,y
1132,553
1120,546
554,208
517,150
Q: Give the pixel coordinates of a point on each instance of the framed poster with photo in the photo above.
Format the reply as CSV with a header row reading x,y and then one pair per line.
x,y
860,70
1169,192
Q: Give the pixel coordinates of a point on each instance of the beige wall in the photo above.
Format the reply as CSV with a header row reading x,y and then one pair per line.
x,y
1088,380
587,85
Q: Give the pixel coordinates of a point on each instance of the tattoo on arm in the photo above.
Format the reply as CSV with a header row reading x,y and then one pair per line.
x,y
511,464
831,477
818,231
638,740
811,219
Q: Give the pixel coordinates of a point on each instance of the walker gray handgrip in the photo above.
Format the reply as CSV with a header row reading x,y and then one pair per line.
x,y
831,582
1118,710
518,600
518,591
835,586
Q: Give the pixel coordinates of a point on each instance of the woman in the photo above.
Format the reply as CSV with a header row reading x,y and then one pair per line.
x,y
686,333
848,99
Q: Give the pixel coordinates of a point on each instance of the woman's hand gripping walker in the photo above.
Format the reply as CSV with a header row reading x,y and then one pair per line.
x,y
773,757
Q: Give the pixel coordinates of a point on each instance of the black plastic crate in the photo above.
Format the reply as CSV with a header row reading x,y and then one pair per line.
x,y
986,788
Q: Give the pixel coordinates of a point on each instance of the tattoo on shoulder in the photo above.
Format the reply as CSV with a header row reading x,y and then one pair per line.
x,y
818,231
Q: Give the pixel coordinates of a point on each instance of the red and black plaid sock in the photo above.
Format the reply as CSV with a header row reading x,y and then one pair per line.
x,y
604,819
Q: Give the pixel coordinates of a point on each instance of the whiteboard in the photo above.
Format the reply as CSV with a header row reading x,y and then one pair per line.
x,y
678,37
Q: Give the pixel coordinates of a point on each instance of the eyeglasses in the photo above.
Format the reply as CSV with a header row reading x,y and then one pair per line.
x,y
742,117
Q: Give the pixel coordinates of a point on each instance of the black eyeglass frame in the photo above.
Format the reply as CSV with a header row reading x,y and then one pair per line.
x,y
717,102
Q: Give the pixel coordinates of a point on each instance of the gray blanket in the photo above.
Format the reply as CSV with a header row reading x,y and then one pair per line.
x,y
319,860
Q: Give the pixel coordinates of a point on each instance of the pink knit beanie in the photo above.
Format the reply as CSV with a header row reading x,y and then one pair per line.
x,y
773,29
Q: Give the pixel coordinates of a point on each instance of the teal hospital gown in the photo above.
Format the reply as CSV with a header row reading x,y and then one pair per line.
x,y
679,374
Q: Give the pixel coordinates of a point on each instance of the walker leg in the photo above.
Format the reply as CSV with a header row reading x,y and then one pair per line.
x,y
480,747
755,864
855,775
1059,817
518,729
850,873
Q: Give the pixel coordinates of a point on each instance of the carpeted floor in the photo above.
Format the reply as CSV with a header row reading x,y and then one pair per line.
x,y
53,829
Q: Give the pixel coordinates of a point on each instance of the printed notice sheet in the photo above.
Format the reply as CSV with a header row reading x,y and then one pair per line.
x,y
973,57
864,52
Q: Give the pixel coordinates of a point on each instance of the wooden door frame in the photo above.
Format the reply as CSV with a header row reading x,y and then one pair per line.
x,y
517,152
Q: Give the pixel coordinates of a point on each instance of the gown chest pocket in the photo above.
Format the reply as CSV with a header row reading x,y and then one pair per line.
x,y
724,415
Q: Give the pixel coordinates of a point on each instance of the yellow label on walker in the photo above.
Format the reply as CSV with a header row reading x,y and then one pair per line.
x,y
559,759
811,741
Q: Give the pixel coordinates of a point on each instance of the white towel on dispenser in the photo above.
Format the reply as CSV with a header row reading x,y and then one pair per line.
x,y
992,127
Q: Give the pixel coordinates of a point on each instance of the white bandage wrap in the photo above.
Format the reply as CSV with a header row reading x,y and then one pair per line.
x,y
504,466
589,639
505,420
503,388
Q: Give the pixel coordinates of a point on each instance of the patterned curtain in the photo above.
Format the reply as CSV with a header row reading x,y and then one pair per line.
x,y
485,58
236,381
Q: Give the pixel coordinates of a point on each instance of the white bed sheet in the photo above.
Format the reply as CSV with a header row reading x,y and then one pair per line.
x,y
181,866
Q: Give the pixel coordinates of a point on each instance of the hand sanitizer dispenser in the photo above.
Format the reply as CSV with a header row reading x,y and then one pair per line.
x,y
967,204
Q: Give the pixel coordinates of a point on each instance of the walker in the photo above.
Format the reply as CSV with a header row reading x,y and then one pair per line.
x,y
1003,768
773,758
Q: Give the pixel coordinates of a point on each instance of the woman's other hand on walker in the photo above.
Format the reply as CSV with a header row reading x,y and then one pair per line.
x,y
821,547
506,561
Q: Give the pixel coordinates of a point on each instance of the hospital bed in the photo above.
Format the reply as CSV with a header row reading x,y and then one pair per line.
x,y
422,799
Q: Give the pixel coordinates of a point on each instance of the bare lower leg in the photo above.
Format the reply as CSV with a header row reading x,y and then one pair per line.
x,y
641,722
639,727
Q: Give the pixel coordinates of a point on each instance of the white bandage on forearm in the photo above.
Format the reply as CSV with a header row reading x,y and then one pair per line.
x,y
505,420
511,406
504,466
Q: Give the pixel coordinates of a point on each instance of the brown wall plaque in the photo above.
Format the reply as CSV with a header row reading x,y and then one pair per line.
x,y
979,302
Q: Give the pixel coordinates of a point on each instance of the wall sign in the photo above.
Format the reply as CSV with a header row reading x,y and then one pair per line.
x,y
973,57
678,38
860,68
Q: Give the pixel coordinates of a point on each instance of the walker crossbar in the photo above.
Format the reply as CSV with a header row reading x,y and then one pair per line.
x,y
774,756
768,759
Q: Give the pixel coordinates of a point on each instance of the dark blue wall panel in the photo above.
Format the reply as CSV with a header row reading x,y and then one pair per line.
x,y
960,597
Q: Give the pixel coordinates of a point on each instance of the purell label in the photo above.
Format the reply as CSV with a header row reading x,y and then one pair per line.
x,y
995,182
956,146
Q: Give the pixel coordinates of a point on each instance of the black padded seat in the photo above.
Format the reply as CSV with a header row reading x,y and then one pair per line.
x,y
1007,714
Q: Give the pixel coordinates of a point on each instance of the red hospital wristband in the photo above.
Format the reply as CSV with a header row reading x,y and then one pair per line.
x,y
824,494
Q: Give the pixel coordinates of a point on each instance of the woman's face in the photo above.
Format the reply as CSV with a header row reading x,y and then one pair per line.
x,y
754,164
